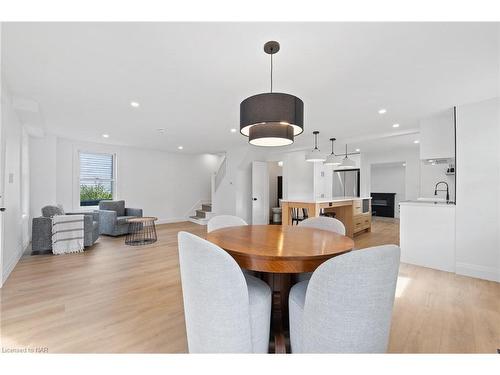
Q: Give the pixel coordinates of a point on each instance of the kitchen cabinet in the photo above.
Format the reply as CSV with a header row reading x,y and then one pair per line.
x,y
362,221
437,136
427,234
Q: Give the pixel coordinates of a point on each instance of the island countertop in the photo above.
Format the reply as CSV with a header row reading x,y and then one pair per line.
x,y
325,200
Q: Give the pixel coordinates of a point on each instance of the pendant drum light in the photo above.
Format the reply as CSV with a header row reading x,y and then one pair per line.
x,y
332,159
346,162
271,119
315,154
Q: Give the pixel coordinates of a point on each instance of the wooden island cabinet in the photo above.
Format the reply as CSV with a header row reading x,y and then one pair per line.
x,y
353,212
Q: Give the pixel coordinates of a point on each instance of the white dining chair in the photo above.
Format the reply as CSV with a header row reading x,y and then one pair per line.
x,y
346,306
321,222
224,221
326,223
225,311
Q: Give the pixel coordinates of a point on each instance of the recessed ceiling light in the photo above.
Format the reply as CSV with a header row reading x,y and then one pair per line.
x,y
358,150
381,111
105,135
233,130
180,147
416,141
431,160
134,104
395,125
404,164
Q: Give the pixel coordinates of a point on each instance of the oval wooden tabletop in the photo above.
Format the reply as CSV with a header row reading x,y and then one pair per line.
x,y
280,248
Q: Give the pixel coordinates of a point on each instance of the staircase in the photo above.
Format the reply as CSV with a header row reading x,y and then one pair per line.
x,y
202,216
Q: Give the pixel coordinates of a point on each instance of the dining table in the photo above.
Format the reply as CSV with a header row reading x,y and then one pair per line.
x,y
276,253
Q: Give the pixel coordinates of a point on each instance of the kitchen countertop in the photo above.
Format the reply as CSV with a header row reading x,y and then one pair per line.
x,y
333,199
427,203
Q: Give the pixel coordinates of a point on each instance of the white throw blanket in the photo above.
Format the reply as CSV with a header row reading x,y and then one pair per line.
x,y
67,234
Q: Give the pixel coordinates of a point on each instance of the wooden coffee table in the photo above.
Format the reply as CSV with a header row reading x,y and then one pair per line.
x,y
141,231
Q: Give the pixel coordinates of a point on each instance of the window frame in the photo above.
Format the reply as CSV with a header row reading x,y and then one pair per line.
x,y
76,192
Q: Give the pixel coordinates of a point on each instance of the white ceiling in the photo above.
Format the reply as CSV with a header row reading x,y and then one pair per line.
x,y
191,77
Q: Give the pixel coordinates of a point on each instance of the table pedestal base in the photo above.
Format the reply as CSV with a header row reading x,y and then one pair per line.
x,y
280,284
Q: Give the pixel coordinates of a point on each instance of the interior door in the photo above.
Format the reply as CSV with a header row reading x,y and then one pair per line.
x,y
260,193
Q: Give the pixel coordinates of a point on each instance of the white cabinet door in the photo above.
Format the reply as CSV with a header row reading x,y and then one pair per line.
x,y
260,193
427,235
437,136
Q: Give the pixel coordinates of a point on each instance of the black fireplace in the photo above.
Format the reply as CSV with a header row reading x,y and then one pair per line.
x,y
383,204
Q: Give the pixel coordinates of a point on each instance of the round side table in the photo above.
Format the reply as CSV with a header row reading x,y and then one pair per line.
x,y
141,231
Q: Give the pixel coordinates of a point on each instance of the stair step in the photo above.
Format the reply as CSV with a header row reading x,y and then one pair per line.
x,y
198,220
201,214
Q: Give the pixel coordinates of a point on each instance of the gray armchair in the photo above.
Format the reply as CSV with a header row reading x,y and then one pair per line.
x,y
113,217
41,238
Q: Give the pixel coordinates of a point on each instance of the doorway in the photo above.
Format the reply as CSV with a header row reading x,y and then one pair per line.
x,y
387,189
267,191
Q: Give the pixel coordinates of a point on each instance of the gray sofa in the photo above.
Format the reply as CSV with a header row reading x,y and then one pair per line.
x,y
41,238
113,217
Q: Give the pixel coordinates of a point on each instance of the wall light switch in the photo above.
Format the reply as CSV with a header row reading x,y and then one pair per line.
x,y
322,174
11,178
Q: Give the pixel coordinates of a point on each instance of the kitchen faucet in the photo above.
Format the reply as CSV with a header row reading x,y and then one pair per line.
x,y
447,190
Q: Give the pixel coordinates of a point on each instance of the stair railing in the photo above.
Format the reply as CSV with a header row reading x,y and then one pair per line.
x,y
220,174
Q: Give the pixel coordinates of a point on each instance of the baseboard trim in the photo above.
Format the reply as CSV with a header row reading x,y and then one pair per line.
x,y
477,271
10,267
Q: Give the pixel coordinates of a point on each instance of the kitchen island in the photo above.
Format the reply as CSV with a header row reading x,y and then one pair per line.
x,y
353,212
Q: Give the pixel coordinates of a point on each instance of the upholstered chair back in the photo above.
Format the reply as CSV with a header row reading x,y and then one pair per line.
x,y
216,299
117,206
349,301
325,223
51,211
224,221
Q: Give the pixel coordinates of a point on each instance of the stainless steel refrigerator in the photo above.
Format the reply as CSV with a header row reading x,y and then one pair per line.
x,y
345,183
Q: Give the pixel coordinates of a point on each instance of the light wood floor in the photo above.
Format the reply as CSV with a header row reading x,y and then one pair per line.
x,y
116,298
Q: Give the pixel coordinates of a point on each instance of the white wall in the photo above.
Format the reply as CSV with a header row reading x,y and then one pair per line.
x,y
14,153
478,192
389,179
298,176
166,185
43,153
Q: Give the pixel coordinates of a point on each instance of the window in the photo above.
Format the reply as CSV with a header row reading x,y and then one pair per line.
x,y
97,180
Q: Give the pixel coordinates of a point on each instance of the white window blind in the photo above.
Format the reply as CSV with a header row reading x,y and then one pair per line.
x,y
96,178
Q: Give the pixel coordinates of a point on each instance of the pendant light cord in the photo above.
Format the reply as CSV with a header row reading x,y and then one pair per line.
x,y
271,71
